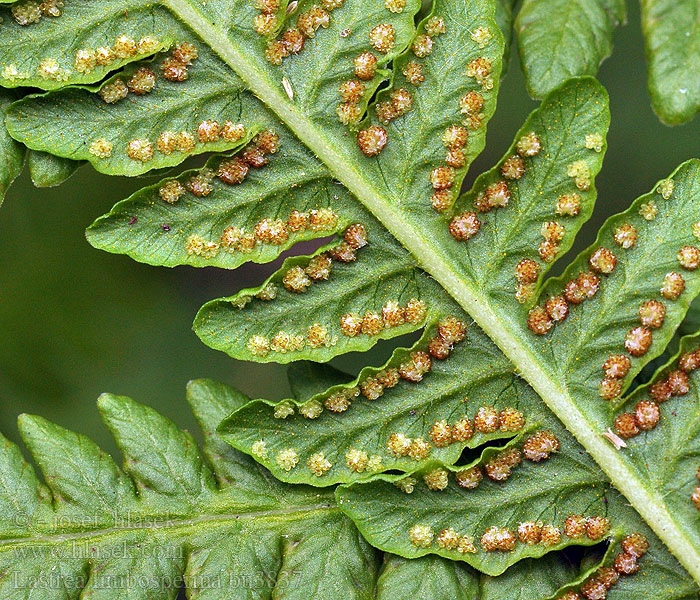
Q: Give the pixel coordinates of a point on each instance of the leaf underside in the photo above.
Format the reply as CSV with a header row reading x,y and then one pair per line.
x,y
217,524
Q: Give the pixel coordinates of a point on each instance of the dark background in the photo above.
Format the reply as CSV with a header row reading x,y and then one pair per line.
x,y
75,321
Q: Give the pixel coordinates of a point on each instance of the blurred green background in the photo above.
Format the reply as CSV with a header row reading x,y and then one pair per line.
x,y
75,322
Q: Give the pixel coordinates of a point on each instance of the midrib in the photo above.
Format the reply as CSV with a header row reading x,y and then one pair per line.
x,y
177,526
649,506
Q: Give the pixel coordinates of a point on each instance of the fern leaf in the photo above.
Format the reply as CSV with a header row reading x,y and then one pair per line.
x,y
673,57
354,434
47,170
12,152
385,175
293,181
669,462
431,577
215,524
219,526
563,39
164,122
43,50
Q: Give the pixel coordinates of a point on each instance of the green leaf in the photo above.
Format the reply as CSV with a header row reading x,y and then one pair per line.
x,y
216,524
558,39
504,18
102,139
292,181
404,198
47,170
11,152
300,325
673,55
430,578
476,375
41,49
564,122
666,457
377,507
98,531
633,282
548,492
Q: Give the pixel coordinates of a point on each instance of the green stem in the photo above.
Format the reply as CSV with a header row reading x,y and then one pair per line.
x,y
175,526
650,506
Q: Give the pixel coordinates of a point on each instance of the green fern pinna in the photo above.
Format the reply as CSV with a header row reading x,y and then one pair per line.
x,y
506,453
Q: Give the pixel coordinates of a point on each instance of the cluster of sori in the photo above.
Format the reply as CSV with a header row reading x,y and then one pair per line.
x,y
175,66
400,445
316,336
450,331
352,91
625,563
298,279
276,232
268,21
288,458
400,100
537,447
28,12
373,386
567,205
583,287
638,342
87,59
356,460
695,496
503,539
422,536
318,464
374,138
143,80
480,68
412,369
496,195
487,420
442,178
399,103
647,413
393,314
602,261
533,533
230,171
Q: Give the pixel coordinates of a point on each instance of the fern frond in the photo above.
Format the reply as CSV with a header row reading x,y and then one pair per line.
x,y
673,56
562,39
352,122
214,524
